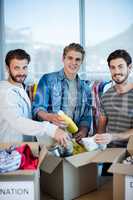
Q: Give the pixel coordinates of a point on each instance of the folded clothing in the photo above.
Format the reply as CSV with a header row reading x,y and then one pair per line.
x,y
15,158
10,160
28,160
90,144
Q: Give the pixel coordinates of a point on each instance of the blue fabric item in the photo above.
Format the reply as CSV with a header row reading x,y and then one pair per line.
x,y
102,85
52,96
10,160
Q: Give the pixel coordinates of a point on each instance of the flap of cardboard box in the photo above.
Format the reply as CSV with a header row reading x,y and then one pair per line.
x,y
130,145
42,155
120,168
82,158
19,173
33,145
50,163
109,155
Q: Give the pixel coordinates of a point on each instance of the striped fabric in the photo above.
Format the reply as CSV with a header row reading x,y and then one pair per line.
x,y
118,108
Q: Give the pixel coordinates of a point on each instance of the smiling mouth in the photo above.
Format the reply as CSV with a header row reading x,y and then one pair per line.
x,y
72,67
118,76
20,77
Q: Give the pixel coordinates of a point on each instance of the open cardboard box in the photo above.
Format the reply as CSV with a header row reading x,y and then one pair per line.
x,y
71,177
22,184
123,175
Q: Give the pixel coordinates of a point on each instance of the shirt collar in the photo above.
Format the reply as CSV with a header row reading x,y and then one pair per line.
x,y
62,75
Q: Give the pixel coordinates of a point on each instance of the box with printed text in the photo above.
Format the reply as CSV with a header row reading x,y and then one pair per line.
x,y
22,184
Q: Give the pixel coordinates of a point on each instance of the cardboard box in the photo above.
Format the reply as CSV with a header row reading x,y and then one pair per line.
x,y
71,177
123,175
22,184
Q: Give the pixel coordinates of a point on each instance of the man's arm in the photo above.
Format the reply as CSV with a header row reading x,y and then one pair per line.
x,y
11,118
41,103
25,126
106,138
50,117
122,136
101,124
83,132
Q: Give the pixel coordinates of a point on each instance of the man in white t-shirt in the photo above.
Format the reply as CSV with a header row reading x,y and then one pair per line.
x,y
15,106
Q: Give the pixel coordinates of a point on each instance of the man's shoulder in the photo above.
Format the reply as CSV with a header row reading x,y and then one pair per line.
x,y
50,76
5,89
4,85
131,91
3,82
108,92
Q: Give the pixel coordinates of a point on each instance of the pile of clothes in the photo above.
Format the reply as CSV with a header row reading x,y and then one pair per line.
x,y
17,157
98,88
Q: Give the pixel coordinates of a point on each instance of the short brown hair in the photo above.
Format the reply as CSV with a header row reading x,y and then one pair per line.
x,y
19,54
120,53
75,47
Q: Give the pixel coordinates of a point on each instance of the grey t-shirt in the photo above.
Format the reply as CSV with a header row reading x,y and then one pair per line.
x,y
72,97
118,108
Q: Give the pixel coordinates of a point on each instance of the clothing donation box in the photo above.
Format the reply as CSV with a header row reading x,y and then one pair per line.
x,y
22,184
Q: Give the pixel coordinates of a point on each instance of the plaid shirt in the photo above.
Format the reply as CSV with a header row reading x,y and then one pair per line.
x,y
52,96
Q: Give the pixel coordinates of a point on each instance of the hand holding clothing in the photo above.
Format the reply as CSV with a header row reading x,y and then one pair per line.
x,y
103,138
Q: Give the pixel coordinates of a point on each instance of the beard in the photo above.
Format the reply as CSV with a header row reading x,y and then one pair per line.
x,y
120,81
18,78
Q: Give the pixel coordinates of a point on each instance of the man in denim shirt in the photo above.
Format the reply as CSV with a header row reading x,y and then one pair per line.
x,y
63,90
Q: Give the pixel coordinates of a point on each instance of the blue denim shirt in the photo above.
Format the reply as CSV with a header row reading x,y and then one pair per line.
x,y
52,96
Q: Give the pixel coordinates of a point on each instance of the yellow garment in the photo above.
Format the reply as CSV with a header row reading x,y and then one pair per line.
x,y
71,126
34,89
77,148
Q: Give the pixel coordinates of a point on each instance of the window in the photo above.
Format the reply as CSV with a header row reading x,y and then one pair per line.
x,y
109,26
42,28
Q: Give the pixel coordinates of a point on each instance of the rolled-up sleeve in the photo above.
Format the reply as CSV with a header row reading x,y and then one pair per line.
x,y
41,100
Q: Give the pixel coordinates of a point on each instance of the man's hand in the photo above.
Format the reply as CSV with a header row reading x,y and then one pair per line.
x,y
61,137
81,134
52,117
103,138
55,119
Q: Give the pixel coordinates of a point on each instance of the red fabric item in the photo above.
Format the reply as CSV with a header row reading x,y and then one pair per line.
x,y
28,160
